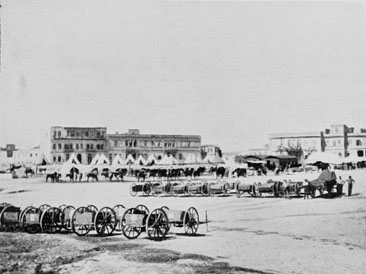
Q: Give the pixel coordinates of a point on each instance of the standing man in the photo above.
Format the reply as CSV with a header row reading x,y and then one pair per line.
x,y
350,185
340,184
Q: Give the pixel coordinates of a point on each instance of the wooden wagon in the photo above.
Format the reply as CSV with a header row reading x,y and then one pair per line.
x,y
144,188
160,187
218,188
242,187
9,217
188,219
195,188
137,220
178,188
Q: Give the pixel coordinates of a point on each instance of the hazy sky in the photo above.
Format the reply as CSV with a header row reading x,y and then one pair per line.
x,y
230,71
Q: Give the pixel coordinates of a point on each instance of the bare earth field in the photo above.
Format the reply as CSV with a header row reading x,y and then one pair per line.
x,y
244,235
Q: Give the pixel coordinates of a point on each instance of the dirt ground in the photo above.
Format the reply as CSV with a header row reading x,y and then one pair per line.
x,y
243,235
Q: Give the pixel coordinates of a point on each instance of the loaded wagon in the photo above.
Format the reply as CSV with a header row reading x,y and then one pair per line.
x,y
218,188
197,188
9,217
138,219
242,187
270,187
188,219
145,188
325,182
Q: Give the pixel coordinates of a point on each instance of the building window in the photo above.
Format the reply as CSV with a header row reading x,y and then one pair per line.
x,y
66,146
54,158
91,146
59,134
77,146
59,159
98,146
81,146
59,146
79,158
89,158
180,156
101,146
87,146
70,146
360,153
358,143
86,133
67,157
54,146
115,143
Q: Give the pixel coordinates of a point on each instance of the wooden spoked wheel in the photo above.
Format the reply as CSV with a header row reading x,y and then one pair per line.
x,y
105,221
82,221
44,207
51,220
191,221
142,209
157,224
130,231
92,208
67,213
22,214
2,205
30,219
119,210
61,207
133,192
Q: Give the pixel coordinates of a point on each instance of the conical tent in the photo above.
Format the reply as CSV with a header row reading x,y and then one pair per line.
x,y
118,160
213,159
100,159
193,159
130,160
168,160
94,160
141,161
72,160
151,160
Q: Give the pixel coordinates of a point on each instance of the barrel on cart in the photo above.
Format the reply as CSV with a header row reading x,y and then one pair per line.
x,y
188,219
9,217
242,187
218,188
138,219
197,188
144,188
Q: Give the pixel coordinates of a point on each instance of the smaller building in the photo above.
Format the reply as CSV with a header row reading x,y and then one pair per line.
x,y
210,150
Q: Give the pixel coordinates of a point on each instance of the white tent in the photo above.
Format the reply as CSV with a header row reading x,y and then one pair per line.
x,y
193,159
100,159
118,160
168,160
324,157
129,160
151,160
141,161
72,160
213,159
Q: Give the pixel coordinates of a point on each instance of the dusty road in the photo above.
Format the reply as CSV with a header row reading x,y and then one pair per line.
x,y
244,235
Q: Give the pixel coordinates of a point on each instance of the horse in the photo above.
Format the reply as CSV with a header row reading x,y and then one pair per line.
x,y
240,172
53,176
92,174
29,171
220,171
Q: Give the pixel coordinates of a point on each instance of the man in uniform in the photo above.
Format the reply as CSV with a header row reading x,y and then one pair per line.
x,y
350,185
340,184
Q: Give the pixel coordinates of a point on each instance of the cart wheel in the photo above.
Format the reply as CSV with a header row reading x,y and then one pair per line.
x,y
130,232
165,208
67,213
4,205
132,191
146,189
92,208
44,207
51,220
9,218
29,224
191,221
174,193
119,210
81,229
205,189
157,224
61,207
105,221
142,209
21,216
238,193
210,192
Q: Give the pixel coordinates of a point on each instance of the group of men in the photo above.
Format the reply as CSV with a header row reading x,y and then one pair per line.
x,y
340,184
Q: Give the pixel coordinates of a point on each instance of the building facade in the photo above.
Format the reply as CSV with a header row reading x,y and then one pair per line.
x,y
136,144
210,150
85,142
339,139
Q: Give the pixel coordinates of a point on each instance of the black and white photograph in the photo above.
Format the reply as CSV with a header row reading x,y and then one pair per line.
x,y
185,137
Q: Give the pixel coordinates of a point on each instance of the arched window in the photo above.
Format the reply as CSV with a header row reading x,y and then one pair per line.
x,y
89,158
59,159
358,143
67,157
79,158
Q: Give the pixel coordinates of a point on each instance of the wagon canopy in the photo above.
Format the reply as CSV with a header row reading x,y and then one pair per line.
x,y
325,176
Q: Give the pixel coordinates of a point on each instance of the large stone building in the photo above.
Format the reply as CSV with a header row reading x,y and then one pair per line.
x,y
86,142
338,139
136,144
